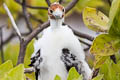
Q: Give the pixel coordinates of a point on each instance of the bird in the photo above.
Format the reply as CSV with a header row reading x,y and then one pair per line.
x,y
58,49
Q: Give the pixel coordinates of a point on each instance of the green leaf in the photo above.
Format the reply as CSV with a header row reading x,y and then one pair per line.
x,y
73,74
99,60
5,67
105,45
11,53
28,54
80,77
57,77
114,15
99,77
95,20
16,73
109,71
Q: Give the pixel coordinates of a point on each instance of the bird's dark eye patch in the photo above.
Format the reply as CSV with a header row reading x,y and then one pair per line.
x,y
51,11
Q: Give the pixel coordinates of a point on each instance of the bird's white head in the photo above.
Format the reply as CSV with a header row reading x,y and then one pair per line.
x,y
56,11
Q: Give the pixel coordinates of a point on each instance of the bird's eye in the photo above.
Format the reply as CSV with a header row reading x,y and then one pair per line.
x,y
63,10
51,11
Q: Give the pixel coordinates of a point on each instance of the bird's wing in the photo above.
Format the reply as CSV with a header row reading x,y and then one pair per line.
x,y
75,49
35,62
70,60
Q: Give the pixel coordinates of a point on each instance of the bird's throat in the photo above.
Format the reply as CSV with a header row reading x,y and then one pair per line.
x,y
56,23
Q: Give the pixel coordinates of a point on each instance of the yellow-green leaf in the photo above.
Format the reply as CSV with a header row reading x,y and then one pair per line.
x,y
57,77
99,60
5,67
73,74
99,77
95,20
12,52
114,15
105,45
16,73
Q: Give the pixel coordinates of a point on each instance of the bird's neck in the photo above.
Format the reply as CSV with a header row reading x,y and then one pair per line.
x,y
56,23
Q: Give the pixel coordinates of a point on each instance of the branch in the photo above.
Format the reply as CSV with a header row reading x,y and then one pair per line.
x,y
71,5
48,2
12,21
26,16
86,49
85,43
60,1
29,70
95,73
113,58
37,31
2,52
86,36
11,36
34,18
109,2
32,7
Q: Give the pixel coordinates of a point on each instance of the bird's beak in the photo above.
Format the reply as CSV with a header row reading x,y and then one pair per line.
x,y
58,14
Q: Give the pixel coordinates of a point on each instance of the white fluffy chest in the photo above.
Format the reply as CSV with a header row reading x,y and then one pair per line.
x,y
52,43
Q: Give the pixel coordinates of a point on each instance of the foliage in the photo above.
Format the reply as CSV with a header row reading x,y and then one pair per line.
x,y
4,68
11,53
114,16
57,77
95,19
105,45
7,72
110,70
74,75
16,9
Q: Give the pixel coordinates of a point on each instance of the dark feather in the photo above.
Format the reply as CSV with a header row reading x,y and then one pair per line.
x,y
37,73
36,58
70,60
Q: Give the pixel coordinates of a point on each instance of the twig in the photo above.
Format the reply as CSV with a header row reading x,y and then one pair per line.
x,y
109,2
85,43
48,2
27,78
11,36
86,49
86,36
33,7
71,5
113,58
29,70
37,31
2,52
22,44
34,18
60,1
81,34
95,73
26,16
12,21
